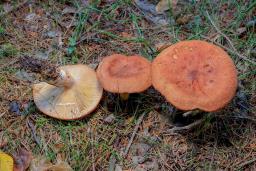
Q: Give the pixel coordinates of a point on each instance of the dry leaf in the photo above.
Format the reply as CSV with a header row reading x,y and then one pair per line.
x,y
150,12
6,162
22,160
41,164
164,5
146,6
184,19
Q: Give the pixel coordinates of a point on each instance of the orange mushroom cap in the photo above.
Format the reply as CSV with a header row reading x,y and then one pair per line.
x,y
195,75
124,74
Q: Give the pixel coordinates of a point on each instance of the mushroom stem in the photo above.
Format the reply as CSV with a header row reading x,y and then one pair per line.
x,y
124,96
50,72
63,80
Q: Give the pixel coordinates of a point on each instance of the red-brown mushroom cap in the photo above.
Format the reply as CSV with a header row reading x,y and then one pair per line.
x,y
195,74
124,74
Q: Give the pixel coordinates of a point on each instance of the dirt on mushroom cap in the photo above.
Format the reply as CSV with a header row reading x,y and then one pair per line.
x,y
122,74
73,103
195,74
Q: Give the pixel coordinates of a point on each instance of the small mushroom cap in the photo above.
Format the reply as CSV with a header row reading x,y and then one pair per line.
x,y
195,75
124,74
71,103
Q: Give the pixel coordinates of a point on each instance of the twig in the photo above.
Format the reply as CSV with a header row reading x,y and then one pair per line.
x,y
14,8
213,154
93,157
2,114
90,131
229,41
13,61
246,163
33,130
187,113
187,127
246,118
113,160
112,163
133,134
193,113
230,50
85,38
220,32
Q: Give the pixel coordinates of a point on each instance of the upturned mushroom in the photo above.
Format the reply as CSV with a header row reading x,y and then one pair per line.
x,y
195,75
124,74
73,93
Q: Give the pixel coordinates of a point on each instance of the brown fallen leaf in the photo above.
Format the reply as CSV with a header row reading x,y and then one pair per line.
x,y
164,5
184,19
41,164
22,160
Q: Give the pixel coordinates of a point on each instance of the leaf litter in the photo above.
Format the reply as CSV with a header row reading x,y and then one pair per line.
x,y
22,160
175,151
42,164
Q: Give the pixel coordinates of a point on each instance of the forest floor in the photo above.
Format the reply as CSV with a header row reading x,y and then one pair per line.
x,y
70,32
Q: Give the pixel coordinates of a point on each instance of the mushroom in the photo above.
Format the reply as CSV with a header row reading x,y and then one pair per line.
x,y
73,95
124,74
6,162
195,75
